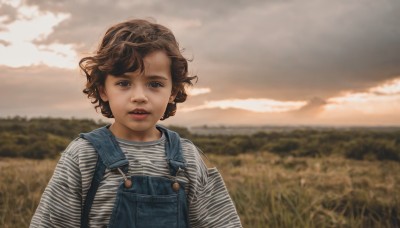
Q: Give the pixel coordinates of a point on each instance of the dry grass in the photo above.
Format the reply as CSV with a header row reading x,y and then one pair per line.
x,y
22,183
268,191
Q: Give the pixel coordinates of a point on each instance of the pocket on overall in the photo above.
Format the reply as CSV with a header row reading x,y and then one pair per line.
x,y
157,211
135,208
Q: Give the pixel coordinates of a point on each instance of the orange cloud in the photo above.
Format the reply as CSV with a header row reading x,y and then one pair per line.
x,y
198,91
384,98
251,104
18,48
377,105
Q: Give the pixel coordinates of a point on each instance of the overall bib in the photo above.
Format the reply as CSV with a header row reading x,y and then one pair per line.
x,y
142,201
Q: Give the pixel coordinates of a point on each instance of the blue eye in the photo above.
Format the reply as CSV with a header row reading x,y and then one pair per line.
x,y
123,83
155,84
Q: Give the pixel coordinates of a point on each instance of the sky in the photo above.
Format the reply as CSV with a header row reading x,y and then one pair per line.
x,y
274,62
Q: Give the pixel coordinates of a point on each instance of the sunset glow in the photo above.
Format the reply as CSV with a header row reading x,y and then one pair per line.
x,y
33,26
391,87
198,91
383,98
254,105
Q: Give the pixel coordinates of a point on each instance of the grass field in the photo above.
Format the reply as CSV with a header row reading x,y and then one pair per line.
x,y
269,191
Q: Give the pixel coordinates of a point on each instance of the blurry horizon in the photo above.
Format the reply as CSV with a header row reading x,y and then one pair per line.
x,y
260,63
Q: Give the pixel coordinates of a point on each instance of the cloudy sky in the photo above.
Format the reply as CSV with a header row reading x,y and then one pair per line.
x,y
284,62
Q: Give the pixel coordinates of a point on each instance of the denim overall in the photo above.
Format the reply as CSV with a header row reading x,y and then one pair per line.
x,y
142,201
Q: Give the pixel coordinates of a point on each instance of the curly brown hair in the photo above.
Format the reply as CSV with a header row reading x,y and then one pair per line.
x,y
122,50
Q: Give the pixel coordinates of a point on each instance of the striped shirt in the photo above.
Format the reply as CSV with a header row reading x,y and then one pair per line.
x,y
60,206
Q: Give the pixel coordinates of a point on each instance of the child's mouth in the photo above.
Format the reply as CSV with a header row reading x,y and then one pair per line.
x,y
139,114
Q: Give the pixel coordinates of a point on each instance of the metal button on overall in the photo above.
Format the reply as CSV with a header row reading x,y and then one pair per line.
x,y
175,186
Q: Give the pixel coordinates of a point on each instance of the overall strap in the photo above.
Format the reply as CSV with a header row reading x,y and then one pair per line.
x,y
173,150
110,156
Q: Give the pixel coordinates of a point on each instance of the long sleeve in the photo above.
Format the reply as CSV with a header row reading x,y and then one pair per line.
x,y
210,204
60,205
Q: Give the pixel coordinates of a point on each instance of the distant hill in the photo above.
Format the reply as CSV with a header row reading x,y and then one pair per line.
x,y
249,130
47,137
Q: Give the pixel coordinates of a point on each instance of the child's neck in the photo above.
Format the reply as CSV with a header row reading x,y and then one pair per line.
x,y
137,136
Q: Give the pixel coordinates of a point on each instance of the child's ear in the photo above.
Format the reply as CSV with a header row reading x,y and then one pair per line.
x,y
102,93
172,97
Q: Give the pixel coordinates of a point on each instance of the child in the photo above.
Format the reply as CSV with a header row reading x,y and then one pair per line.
x,y
135,173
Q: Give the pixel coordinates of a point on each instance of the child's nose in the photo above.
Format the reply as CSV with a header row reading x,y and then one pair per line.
x,y
138,95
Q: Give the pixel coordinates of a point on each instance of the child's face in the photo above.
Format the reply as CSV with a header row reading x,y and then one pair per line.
x,y
137,100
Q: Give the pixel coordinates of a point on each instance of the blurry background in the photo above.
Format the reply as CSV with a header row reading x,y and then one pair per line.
x,y
297,102
259,62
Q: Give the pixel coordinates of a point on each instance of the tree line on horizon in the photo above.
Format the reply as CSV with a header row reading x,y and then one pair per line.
x,y
41,138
